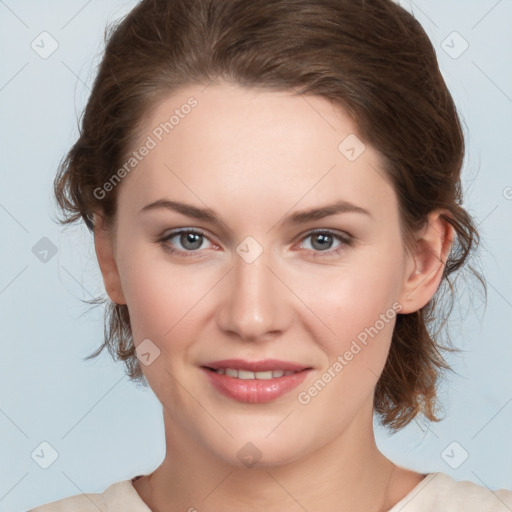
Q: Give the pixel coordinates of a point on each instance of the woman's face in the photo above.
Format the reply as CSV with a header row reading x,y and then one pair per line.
x,y
259,281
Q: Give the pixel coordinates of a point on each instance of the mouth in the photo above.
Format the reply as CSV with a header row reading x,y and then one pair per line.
x,y
238,373
254,381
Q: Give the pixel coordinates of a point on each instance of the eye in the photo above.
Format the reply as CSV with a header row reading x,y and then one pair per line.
x,y
322,241
191,241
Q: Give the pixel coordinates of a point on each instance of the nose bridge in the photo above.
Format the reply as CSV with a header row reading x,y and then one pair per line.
x,y
255,305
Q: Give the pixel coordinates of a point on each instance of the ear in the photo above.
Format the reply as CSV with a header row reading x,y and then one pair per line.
x,y
426,263
104,244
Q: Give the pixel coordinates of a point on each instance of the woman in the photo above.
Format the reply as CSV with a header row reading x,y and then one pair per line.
x,y
274,192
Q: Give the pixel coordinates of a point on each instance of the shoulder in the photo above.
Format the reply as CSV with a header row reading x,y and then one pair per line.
x,y
440,492
77,503
119,497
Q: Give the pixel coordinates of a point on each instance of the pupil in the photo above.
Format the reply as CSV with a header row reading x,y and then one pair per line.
x,y
324,238
191,238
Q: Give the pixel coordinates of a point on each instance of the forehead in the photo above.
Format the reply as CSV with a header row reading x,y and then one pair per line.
x,y
228,142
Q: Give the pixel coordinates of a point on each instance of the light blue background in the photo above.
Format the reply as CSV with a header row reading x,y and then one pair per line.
x,y
103,427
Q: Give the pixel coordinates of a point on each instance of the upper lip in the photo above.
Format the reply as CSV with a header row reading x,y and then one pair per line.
x,y
256,366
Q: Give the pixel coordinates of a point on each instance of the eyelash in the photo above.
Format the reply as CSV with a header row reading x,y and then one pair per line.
x,y
346,240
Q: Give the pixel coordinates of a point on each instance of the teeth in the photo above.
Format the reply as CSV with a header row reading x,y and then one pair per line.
x,y
263,375
247,375
244,374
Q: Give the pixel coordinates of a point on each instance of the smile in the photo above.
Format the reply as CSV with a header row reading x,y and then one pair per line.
x,y
247,375
254,382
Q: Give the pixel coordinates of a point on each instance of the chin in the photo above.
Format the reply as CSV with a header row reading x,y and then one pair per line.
x,y
254,448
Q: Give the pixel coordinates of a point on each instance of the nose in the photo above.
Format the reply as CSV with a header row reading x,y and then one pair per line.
x,y
257,304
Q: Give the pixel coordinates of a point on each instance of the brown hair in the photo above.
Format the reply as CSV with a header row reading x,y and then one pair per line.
x,y
370,57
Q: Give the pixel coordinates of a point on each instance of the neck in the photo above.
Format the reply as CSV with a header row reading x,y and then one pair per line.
x,y
345,474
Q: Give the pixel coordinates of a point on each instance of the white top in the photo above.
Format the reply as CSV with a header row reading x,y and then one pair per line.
x,y
437,492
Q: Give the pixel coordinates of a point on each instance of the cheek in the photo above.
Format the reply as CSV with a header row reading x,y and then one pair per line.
x,y
361,309
353,297
160,296
357,306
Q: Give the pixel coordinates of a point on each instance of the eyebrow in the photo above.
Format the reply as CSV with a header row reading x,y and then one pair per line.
x,y
300,217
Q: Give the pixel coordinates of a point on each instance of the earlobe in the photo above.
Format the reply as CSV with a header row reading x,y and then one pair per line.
x,y
427,263
103,242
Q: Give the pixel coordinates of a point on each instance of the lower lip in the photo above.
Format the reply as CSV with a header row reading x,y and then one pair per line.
x,y
255,391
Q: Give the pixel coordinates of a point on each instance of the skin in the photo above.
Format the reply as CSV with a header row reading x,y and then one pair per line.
x,y
254,157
